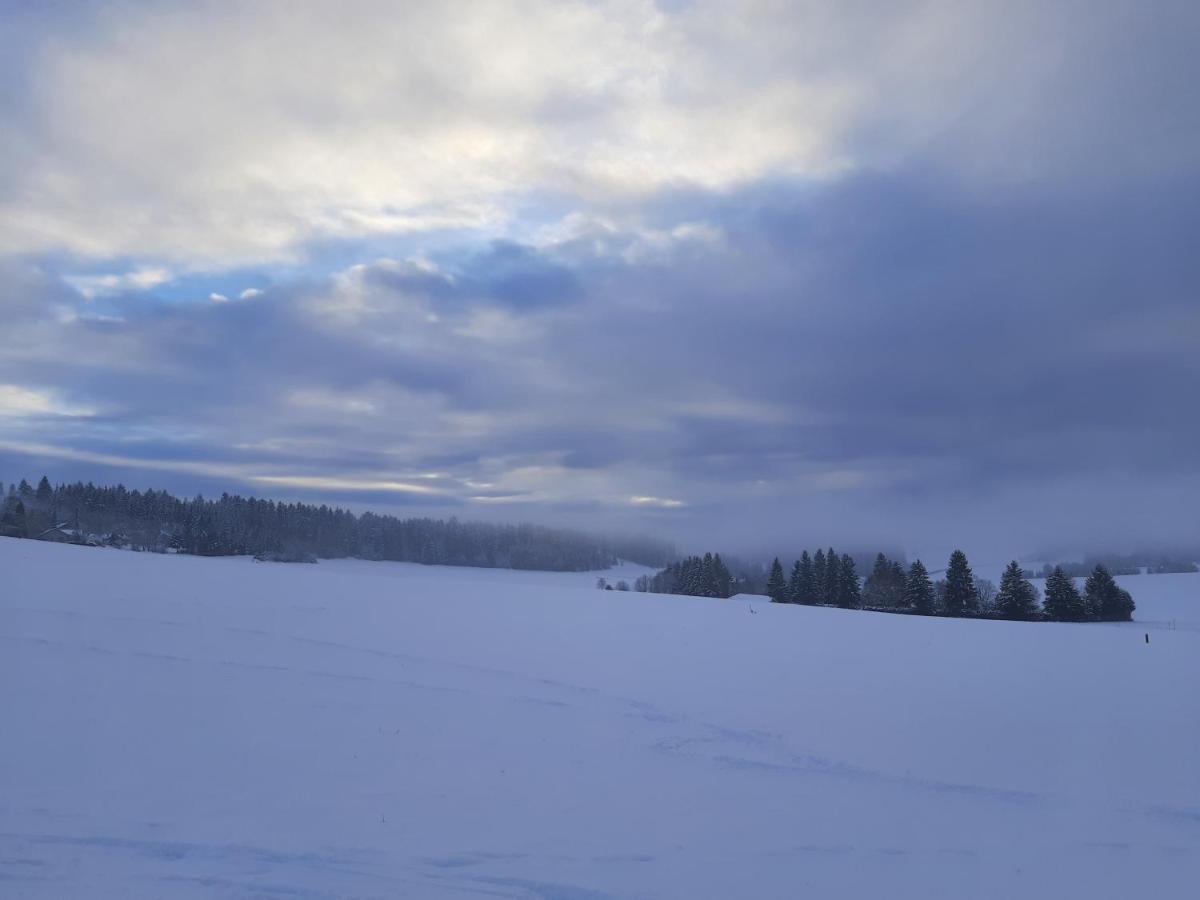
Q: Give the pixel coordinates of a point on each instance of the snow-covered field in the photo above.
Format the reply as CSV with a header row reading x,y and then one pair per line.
x,y
182,727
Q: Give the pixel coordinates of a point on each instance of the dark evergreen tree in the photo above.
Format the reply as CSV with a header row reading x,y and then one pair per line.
x,y
708,573
44,493
819,576
13,523
960,597
918,590
849,594
1063,602
833,578
1017,598
777,588
1105,600
723,580
884,587
808,581
795,584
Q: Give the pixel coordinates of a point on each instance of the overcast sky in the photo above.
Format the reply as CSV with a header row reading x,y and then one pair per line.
x,y
733,273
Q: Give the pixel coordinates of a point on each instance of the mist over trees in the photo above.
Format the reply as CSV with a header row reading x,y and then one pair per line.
x,y
234,526
696,576
1124,564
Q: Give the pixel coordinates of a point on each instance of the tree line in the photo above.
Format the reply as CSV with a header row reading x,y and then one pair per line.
x,y
697,576
1124,564
233,526
826,578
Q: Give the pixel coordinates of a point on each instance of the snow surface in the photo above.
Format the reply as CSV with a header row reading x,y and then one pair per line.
x,y
181,727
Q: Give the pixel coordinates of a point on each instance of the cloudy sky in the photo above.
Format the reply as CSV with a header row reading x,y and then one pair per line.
x,y
727,272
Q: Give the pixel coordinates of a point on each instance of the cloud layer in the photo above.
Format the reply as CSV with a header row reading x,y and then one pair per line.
x,y
727,271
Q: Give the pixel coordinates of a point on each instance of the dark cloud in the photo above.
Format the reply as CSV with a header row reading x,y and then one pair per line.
x,y
838,357
975,314
521,277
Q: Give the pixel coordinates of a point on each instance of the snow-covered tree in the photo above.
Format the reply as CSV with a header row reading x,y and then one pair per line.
x,y
918,590
777,588
849,593
1017,597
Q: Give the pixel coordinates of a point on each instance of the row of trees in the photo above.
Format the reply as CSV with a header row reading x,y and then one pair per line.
x,y
824,578
1123,564
697,576
233,525
827,579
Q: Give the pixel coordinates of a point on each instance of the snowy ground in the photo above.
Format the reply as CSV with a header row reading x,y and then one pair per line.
x,y
182,727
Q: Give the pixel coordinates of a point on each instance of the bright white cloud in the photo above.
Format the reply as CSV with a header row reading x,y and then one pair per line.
x,y
326,483
19,402
394,123
449,116
139,279
661,502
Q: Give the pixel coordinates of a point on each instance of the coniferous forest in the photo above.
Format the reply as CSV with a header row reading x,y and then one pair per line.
x,y
826,578
297,532
294,532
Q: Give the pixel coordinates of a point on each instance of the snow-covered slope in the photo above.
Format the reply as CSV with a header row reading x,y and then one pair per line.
x,y
182,727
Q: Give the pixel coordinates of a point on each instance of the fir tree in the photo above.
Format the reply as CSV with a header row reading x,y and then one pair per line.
x,y
918,590
833,577
1105,600
44,493
884,587
819,576
777,588
1017,598
1063,601
795,584
723,581
849,595
708,577
960,597
13,522
808,584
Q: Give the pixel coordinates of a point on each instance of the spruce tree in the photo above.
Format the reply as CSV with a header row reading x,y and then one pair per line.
x,y
918,590
44,493
1105,600
884,587
1063,601
795,584
808,584
776,585
1016,598
818,576
708,577
724,581
833,577
960,597
849,594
